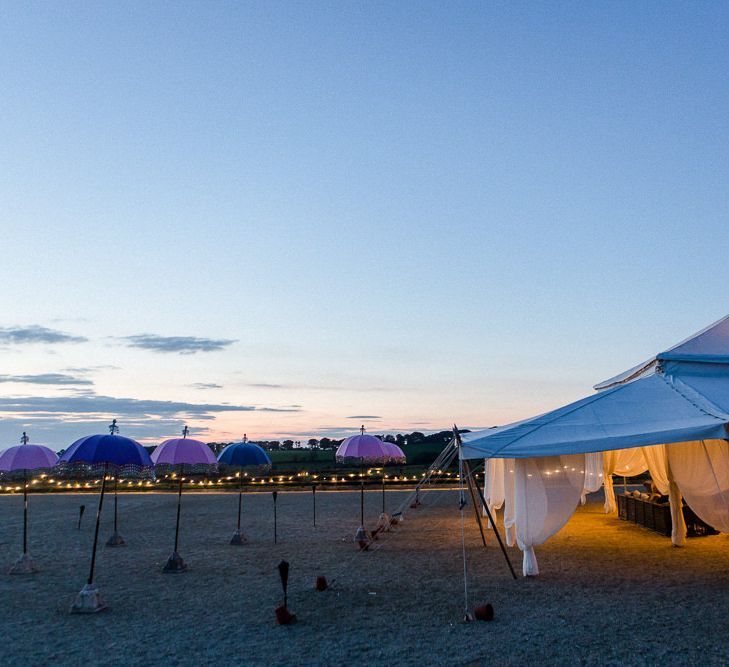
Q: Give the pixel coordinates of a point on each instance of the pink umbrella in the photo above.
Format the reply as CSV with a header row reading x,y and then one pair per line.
x,y
362,449
177,453
23,458
394,453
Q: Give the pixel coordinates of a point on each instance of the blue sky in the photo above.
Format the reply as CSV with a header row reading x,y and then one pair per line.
x,y
417,212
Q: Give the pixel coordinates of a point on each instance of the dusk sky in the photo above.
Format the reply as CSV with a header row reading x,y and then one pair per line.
x,y
291,218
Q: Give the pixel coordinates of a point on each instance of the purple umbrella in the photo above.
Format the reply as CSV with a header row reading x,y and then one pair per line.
x,y
394,453
177,453
361,449
25,457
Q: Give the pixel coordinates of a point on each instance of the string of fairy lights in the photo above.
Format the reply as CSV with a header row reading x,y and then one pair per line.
x,y
49,482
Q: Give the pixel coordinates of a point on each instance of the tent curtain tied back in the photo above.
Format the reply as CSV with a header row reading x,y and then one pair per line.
x,y
540,494
668,415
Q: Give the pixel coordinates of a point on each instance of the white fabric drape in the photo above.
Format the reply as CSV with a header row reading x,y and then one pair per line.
x,y
701,472
624,463
546,493
657,460
493,485
540,494
509,510
593,474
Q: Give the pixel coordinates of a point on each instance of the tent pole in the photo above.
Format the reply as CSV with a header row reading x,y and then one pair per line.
x,y
461,504
486,507
470,481
495,529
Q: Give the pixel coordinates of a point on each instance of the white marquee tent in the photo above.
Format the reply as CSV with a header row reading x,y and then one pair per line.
x,y
669,415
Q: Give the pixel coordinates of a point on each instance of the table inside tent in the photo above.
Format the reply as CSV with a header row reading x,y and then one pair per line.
x,y
653,511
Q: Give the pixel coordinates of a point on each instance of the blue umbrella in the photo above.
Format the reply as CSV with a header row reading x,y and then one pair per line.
x,y
109,450
241,455
112,449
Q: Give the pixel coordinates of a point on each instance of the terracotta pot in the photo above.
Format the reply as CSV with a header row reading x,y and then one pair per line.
x,y
321,583
283,616
484,612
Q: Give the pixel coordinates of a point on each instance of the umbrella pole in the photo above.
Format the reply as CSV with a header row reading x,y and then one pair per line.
x,y
383,489
177,524
89,600
96,530
24,564
238,538
361,497
25,512
116,540
174,562
240,498
362,537
116,500
313,494
275,519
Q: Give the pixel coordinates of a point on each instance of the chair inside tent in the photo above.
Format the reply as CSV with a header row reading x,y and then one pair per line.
x,y
668,415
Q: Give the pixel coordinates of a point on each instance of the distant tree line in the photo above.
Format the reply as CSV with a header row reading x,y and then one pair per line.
x,y
440,439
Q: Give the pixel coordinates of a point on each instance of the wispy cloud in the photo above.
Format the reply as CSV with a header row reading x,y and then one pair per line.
x,y
60,419
83,370
36,334
176,344
73,406
364,417
61,379
205,385
109,406
322,387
